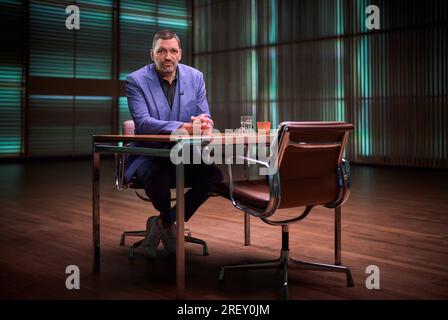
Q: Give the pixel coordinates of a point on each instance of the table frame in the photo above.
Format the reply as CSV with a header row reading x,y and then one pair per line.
x,y
98,149
100,146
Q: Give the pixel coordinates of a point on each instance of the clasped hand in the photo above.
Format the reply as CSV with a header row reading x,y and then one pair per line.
x,y
201,122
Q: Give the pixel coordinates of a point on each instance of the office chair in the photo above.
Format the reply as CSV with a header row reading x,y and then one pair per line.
x,y
311,172
128,129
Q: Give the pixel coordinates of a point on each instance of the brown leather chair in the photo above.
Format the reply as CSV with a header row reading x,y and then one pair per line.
x,y
311,172
127,129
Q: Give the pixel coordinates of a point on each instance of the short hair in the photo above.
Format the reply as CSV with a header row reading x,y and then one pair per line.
x,y
165,34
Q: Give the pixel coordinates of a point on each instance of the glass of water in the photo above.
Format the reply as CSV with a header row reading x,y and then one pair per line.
x,y
247,124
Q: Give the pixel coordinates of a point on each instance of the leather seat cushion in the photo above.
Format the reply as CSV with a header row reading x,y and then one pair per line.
x,y
254,193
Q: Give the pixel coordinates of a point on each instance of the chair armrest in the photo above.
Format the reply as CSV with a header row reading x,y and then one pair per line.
x,y
119,171
343,184
345,172
345,167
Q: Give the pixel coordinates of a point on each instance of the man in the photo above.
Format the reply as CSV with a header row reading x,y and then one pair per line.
x,y
163,97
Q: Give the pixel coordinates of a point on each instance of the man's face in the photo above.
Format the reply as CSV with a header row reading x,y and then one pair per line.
x,y
166,55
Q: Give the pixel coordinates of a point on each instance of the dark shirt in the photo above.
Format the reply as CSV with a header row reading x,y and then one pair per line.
x,y
168,90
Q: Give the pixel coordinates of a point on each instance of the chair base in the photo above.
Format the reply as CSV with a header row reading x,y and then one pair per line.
x,y
284,262
142,233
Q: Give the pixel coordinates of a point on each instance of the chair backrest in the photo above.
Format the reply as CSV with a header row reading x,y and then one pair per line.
x,y
127,128
309,157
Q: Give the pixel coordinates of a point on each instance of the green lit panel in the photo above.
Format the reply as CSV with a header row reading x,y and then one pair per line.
x,y
181,29
254,23
11,14
174,15
202,35
174,24
11,75
51,44
56,51
97,3
273,80
339,21
139,21
362,67
363,129
361,6
144,7
10,119
315,60
364,78
273,88
339,62
339,88
363,84
64,125
273,28
94,42
253,65
138,24
175,8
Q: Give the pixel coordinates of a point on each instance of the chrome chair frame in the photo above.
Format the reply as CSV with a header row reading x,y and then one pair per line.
x,y
285,261
121,185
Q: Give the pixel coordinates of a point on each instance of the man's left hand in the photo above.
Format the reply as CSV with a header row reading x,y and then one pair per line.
x,y
206,122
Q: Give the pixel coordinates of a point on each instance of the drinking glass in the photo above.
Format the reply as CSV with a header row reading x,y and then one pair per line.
x,y
264,126
247,124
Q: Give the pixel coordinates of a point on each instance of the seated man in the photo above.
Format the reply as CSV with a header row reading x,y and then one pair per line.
x,y
163,97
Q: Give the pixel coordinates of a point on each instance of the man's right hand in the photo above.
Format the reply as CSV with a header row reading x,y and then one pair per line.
x,y
194,128
186,128
205,120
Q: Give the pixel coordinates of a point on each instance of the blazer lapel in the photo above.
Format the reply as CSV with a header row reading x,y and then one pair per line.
x,y
182,86
157,93
174,114
184,98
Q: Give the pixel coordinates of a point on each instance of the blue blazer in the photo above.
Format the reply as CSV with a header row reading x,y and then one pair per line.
x,y
150,109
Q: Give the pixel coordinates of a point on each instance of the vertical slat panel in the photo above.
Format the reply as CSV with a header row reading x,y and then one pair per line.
x,y
60,121
11,77
394,79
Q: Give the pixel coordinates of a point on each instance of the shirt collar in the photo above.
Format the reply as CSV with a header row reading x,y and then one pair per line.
x,y
161,78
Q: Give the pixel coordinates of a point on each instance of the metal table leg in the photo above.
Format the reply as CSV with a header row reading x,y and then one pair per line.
x,y
180,240
96,211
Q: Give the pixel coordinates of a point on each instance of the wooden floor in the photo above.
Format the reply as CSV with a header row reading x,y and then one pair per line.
x,y
396,219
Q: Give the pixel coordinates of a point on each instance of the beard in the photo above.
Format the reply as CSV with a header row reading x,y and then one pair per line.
x,y
166,68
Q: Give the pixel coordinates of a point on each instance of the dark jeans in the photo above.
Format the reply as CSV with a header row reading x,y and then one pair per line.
x,y
159,177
